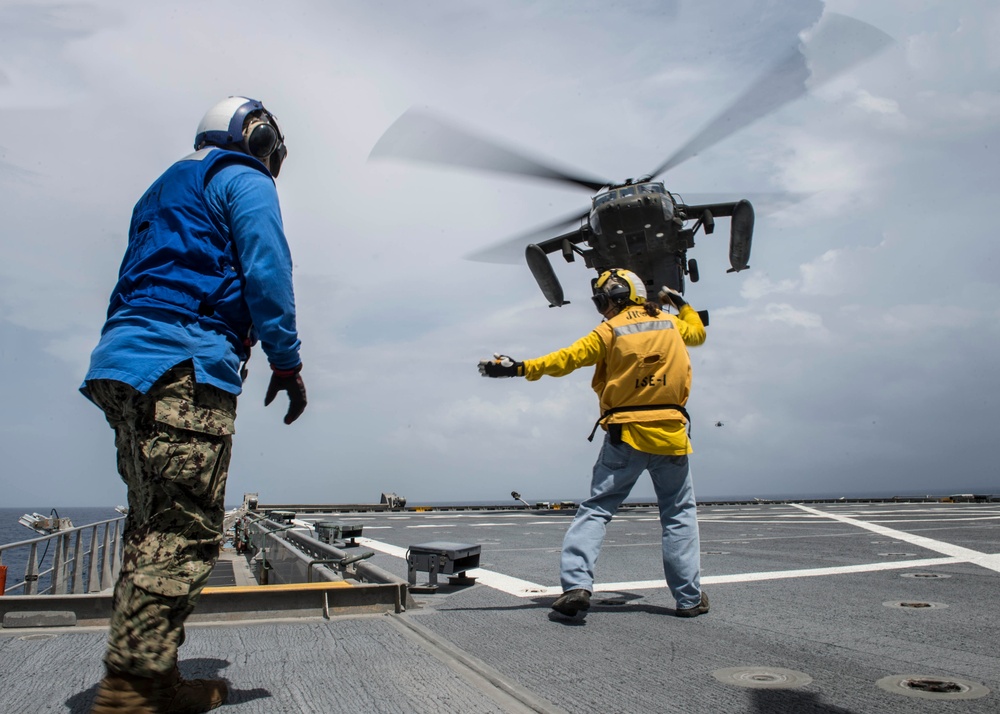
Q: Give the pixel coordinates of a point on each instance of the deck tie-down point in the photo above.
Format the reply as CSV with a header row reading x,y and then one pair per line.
x,y
925,686
452,559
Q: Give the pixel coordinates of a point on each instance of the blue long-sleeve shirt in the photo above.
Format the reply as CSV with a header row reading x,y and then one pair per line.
x,y
140,342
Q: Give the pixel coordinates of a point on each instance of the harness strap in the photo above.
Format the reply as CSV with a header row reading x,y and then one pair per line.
x,y
639,408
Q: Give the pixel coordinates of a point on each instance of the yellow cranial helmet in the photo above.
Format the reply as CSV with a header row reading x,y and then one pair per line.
x,y
618,287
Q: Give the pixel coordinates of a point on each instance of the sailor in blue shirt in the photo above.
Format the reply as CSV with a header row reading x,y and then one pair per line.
x,y
206,275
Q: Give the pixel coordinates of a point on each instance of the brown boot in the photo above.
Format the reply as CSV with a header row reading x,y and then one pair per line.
x,y
172,694
191,696
124,693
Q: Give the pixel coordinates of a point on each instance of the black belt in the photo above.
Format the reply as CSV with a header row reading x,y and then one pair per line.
x,y
640,408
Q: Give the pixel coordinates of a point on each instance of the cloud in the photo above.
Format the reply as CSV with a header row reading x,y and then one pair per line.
x,y
838,166
838,272
758,284
876,105
835,272
36,69
791,316
872,300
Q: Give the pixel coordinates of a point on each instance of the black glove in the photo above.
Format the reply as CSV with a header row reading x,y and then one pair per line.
x,y
501,366
288,380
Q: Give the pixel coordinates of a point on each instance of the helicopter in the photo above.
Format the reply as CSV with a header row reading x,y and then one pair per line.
x,y
639,224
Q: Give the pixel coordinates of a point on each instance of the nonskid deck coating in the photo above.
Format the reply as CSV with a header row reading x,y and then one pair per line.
x,y
826,616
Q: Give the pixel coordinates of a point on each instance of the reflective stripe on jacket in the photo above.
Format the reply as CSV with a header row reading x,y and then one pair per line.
x,y
595,348
646,364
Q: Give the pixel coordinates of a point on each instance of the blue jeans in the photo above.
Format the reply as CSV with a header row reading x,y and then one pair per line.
x,y
617,469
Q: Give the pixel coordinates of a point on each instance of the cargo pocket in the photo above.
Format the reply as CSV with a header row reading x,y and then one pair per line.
x,y
183,414
162,585
192,446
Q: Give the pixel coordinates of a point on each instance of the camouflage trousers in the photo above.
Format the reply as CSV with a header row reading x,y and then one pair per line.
x,y
174,446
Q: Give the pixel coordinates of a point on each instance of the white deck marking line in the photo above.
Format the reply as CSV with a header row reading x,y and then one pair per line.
x,y
525,588
785,574
497,581
985,560
381,547
511,585
806,519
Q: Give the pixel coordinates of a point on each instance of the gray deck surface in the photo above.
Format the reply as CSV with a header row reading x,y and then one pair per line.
x,y
497,646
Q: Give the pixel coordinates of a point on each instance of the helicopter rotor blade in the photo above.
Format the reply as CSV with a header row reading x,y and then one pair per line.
x,y
836,44
511,250
418,136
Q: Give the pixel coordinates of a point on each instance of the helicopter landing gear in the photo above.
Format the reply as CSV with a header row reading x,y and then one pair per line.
x,y
693,270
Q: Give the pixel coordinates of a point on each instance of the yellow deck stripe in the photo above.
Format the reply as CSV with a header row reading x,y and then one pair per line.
x,y
278,588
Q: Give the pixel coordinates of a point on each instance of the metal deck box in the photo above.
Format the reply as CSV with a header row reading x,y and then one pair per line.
x,y
441,557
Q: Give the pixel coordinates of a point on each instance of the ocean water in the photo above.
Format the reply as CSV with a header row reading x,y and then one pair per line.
x,y
11,531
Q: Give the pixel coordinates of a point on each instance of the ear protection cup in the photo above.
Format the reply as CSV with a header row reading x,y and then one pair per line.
x,y
601,301
261,139
612,288
600,297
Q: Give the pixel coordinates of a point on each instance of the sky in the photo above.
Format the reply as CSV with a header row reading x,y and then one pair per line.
x,y
856,357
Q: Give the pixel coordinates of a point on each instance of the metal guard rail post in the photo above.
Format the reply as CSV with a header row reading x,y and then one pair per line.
x,y
66,574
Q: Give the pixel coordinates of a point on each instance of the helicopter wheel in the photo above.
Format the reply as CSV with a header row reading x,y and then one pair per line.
x,y
693,270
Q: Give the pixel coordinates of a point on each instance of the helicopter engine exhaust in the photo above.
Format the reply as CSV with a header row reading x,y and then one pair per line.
x,y
740,235
545,276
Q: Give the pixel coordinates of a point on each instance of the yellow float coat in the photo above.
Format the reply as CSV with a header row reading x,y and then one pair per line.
x,y
639,361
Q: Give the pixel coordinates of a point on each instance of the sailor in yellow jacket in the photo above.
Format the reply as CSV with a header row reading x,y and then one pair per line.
x,y
642,378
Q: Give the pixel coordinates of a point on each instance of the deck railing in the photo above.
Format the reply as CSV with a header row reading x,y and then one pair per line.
x,y
289,553
78,565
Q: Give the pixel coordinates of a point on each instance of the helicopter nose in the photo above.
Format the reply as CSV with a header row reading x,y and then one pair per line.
x,y
631,215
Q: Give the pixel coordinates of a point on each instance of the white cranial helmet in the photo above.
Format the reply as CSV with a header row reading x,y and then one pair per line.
x,y
243,124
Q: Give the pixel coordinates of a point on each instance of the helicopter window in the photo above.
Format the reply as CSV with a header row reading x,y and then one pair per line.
x,y
627,191
604,198
652,188
595,223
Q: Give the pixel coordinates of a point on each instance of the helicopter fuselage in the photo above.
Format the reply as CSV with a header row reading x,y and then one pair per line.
x,y
640,226
637,226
